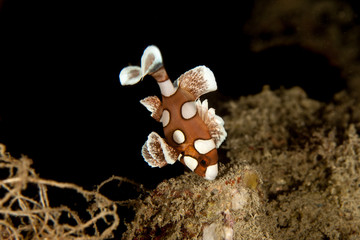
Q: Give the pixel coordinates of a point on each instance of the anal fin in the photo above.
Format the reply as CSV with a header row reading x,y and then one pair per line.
x,y
153,104
157,153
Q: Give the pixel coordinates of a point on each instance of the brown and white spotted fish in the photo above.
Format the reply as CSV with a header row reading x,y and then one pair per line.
x,y
192,131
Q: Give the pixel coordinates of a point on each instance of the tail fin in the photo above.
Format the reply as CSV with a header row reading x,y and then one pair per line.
x,y
130,75
151,61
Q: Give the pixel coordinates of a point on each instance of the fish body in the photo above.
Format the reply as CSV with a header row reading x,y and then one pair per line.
x,y
192,131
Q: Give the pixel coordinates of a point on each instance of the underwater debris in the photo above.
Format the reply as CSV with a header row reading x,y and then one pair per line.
x,y
28,211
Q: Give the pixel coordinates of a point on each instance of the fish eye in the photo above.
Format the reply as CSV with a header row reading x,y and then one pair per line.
x,y
203,162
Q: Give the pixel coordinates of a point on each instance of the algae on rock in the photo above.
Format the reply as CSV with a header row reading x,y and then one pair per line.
x,y
308,157
294,172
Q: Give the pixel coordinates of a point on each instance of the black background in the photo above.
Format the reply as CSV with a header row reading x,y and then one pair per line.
x,y
62,104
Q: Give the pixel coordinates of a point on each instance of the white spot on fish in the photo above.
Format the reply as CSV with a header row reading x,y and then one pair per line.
x,y
188,110
178,137
190,162
165,118
204,146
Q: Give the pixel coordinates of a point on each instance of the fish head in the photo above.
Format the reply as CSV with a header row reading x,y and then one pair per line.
x,y
204,165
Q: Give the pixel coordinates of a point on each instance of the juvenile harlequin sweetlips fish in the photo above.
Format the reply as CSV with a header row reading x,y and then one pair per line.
x,y
192,131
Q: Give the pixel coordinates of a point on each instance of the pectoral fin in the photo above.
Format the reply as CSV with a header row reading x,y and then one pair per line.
x,y
157,153
153,104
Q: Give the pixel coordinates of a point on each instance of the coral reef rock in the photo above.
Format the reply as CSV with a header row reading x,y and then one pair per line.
x,y
291,172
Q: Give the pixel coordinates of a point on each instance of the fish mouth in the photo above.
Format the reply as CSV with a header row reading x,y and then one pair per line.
x,y
211,172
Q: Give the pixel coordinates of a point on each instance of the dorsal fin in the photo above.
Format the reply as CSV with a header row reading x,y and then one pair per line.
x,y
214,123
153,104
197,81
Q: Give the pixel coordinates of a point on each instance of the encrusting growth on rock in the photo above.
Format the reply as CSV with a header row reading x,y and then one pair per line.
x,y
293,174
